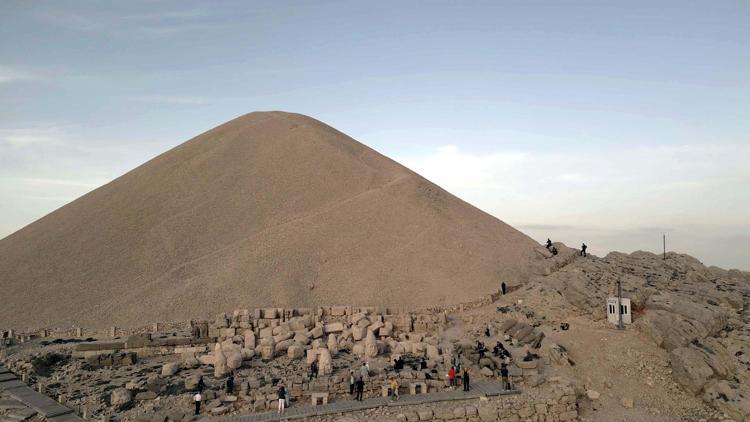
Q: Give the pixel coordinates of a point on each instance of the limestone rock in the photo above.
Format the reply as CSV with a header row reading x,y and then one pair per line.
x,y
120,398
219,362
332,344
592,394
170,369
249,339
191,382
295,351
371,346
627,402
325,362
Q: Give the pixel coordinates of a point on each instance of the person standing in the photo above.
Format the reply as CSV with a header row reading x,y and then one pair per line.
x,y
502,287
504,377
583,250
360,388
466,379
282,399
201,384
352,381
230,384
452,377
394,389
364,371
197,399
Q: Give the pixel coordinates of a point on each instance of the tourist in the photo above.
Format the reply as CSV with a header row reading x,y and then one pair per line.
x,y
313,370
351,382
554,250
197,399
583,250
466,379
364,371
549,243
487,331
201,384
504,376
394,389
502,287
452,377
423,364
230,384
360,388
282,398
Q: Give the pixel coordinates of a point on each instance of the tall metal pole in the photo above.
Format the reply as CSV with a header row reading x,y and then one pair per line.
x,y
619,306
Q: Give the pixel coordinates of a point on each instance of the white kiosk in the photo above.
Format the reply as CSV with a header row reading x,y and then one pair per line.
x,y
612,312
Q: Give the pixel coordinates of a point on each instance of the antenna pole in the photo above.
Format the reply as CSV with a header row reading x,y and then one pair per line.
x,y
619,306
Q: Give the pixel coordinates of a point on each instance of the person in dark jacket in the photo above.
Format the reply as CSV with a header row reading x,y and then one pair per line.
x,y
583,250
282,399
466,379
360,388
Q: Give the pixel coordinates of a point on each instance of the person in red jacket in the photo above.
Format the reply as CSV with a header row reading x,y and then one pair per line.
x,y
452,377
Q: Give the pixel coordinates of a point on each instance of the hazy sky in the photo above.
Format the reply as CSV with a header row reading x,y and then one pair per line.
x,y
608,122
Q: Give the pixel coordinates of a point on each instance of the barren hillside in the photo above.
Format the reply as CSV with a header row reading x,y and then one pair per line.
x,y
269,209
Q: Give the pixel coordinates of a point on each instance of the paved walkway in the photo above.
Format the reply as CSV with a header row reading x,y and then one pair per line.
x,y
42,404
478,389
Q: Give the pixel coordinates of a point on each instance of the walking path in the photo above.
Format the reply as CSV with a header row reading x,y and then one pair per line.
x,y
41,404
478,389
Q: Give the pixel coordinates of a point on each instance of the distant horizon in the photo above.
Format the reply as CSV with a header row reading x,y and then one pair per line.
x,y
597,122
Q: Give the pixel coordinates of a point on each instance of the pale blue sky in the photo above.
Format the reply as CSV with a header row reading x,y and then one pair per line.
x,y
603,121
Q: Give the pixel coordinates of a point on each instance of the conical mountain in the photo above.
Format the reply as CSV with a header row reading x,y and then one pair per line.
x,y
269,209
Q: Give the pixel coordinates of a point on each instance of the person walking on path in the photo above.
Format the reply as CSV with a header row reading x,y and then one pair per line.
x,y
466,379
504,377
352,381
583,250
452,377
394,389
360,388
197,399
282,399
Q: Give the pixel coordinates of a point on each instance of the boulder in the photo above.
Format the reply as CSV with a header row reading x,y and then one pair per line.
x,y
120,398
358,333
325,362
219,362
170,369
592,394
332,344
295,351
487,372
234,359
191,382
690,369
335,327
249,339
371,345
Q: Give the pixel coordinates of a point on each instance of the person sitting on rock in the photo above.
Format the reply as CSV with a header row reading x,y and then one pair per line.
x,y
583,250
554,250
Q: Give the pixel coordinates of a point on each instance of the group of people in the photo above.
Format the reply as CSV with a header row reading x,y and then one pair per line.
x,y
457,377
553,249
500,351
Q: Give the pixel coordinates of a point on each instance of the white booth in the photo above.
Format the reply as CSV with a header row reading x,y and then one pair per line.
x,y
613,314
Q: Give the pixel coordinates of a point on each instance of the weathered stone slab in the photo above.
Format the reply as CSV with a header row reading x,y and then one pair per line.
x,y
7,377
42,404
